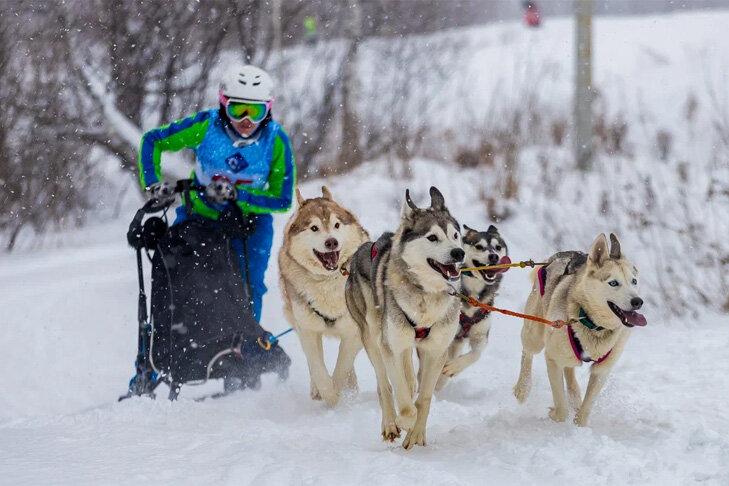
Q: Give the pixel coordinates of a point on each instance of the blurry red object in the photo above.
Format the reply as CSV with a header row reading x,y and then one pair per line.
x,y
532,17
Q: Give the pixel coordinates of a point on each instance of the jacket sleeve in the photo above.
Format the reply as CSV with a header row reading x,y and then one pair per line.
x,y
278,195
186,133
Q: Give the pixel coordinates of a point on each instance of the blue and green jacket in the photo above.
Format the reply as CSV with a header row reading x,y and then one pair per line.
x,y
262,168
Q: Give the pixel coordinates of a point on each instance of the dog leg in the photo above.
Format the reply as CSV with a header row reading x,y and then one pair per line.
x,y
573,388
558,413
597,380
432,364
311,343
420,369
532,341
407,363
455,366
453,350
349,347
390,431
524,383
396,373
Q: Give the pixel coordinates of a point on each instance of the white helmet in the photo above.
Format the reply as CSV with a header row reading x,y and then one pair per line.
x,y
247,83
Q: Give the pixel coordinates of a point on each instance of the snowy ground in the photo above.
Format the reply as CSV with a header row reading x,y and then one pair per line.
x,y
69,343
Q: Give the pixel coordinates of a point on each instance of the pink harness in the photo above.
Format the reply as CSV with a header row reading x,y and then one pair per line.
x,y
579,352
574,342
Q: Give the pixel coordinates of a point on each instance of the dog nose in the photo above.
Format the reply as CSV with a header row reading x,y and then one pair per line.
x,y
331,244
493,258
458,254
636,302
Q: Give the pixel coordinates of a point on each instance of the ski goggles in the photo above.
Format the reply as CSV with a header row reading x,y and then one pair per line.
x,y
255,111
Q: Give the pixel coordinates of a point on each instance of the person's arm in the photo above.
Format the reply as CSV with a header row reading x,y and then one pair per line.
x,y
186,133
279,194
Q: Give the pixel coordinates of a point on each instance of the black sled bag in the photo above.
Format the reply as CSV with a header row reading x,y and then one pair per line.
x,y
201,307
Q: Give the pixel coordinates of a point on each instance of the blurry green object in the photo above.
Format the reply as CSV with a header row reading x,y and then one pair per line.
x,y
310,25
309,30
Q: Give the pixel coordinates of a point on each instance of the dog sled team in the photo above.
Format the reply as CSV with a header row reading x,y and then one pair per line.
x,y
398,298
407,297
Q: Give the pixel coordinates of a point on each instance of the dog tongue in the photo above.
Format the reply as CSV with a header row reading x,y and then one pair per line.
x,y
329,260
505,260
635,319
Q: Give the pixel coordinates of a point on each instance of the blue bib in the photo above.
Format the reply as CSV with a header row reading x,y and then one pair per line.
x,y
247,165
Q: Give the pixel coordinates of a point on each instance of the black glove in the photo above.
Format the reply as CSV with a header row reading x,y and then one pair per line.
x,y
221,191
164,192
235,224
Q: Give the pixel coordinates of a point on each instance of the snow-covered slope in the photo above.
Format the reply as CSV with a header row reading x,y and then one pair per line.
x,y
68,344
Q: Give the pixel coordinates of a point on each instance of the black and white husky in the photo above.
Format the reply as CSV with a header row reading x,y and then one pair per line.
x,y
482,248
398,294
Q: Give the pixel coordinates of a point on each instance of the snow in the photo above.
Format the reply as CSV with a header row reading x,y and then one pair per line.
x,y
69,322
69,344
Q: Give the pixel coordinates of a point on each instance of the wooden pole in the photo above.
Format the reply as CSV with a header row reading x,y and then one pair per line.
x,y
583,83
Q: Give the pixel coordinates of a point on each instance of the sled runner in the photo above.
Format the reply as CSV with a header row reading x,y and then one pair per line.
x,y
202,324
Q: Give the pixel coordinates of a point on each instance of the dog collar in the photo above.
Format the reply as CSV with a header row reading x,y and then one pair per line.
x,y
467,274
585,321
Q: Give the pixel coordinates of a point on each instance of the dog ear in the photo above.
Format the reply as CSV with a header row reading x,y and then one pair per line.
x,y
492,229
469,229
326,194
437,201
299,198
408,208
614,247
599,251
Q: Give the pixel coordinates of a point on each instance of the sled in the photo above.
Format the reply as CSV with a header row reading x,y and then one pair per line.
x,y
200,323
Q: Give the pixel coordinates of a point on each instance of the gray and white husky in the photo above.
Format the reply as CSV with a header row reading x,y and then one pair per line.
x,y
602,290
319,240
398,293
482,248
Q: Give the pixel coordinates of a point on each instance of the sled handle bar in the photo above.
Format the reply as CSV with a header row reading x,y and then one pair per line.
x,y
182,186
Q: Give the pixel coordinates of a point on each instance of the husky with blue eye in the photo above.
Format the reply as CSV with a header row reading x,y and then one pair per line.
x,y
482,248
600,293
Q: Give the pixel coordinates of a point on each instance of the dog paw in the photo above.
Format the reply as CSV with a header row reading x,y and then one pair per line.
x,y
347,385
390,432
327,390
315,395
452,368
351,382
406,419
521,391
580,420
558,415
415,437
330,396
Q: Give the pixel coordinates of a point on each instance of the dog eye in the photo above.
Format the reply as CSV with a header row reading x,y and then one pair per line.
x,y
336,226
479,247
315,228
497,247
635,281
613,283
455,236
432,238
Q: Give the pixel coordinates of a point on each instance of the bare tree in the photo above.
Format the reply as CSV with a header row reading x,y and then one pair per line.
x,y
46,176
